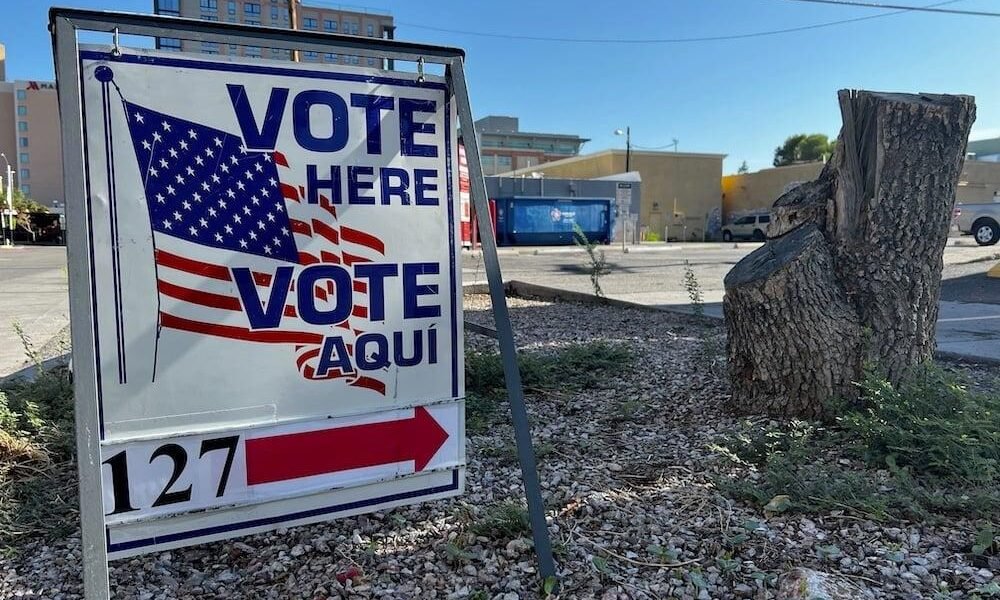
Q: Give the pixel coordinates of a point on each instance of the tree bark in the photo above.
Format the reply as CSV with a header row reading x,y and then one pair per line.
x,y
851,272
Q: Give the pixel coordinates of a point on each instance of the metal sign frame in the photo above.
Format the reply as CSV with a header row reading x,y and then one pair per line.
x,y
64,25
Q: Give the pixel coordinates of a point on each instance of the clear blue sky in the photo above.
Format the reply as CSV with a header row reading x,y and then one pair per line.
x,y
738,97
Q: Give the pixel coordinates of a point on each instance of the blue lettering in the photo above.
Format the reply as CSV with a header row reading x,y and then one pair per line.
x,y
373,106
418,349
334,355
307,299
261,317
376,274
422,185
266,136
355,185
301,108
389,190
379,359
413,290
314,184
408,127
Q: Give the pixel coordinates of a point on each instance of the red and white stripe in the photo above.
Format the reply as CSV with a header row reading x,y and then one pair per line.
x,y
198,294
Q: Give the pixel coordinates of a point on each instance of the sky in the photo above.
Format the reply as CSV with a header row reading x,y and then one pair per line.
x,y
739,97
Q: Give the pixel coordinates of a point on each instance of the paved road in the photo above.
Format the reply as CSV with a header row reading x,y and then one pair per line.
x,y
33,287
970,308
33,295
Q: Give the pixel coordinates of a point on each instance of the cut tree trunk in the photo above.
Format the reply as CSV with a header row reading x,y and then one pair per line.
x,y
851,272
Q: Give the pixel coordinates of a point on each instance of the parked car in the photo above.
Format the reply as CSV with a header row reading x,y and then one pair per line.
x,y
748,227
982,221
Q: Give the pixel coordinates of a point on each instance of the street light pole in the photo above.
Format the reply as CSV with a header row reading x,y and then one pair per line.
x,y
9,235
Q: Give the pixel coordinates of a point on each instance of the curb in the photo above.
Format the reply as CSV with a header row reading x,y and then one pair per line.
x,y
523,289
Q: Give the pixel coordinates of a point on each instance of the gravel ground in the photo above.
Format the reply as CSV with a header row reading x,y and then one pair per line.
x,y
627,476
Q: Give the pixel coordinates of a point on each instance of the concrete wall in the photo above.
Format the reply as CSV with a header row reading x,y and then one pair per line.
x,y
44,152
8,140
754,191
979,182
691,182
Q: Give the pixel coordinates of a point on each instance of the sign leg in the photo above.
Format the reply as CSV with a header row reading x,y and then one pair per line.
x,y
505,333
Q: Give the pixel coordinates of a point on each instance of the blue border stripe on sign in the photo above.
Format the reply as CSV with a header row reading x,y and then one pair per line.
x,y
305,514
306,74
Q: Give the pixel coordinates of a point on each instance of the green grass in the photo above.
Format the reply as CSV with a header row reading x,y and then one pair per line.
x,y
507,520
925,449
564,370
37,474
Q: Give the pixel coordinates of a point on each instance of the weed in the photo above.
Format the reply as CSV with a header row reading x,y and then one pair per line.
x,y
568,369
597,263
930,423
926,448
693,290
507,520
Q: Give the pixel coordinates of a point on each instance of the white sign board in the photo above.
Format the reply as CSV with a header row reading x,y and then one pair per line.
x,y
276,293
623,197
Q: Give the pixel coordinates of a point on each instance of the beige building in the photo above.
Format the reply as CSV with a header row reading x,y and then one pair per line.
x,y
275,13
30,137
979,182
679,189
755,191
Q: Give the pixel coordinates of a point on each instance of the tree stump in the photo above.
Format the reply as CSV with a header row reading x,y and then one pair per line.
x,y
851,272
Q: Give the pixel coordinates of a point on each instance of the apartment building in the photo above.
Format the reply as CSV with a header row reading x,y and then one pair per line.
x,y
30,137
504,147
275,13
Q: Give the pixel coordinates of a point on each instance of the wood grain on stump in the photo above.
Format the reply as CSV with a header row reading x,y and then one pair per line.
x,y
851,272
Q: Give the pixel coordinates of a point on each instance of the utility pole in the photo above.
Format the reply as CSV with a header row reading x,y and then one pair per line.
x,y
9,231
628,146
293,14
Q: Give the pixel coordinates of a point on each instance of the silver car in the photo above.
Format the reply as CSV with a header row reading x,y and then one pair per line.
x,y
980,220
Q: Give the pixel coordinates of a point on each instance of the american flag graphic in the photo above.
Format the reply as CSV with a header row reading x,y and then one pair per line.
x,y
213,204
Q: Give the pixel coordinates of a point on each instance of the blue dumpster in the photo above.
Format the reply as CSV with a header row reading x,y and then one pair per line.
x,y
541,221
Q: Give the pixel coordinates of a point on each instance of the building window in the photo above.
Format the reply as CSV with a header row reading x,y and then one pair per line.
x,y
253,51
210,4
209,47
251,8
330,26
209,18
23,158
168,7
22,125
170,44
250,21
354,28
231,7
274,13
22,94
22,110
23,142
371,62
309,23
311,55
371,30
25,174
26,189
331,58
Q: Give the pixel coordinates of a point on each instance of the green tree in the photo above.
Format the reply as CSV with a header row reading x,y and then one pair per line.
x,y
744,168
22,206
803,147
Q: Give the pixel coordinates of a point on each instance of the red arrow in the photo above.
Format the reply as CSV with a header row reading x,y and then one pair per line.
x,y
294,455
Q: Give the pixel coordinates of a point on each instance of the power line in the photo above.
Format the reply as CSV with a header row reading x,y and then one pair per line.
x,y
931,8
684,40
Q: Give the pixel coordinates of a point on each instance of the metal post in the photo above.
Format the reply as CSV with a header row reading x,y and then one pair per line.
x,y
88,449
505,333
10,205
628,148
